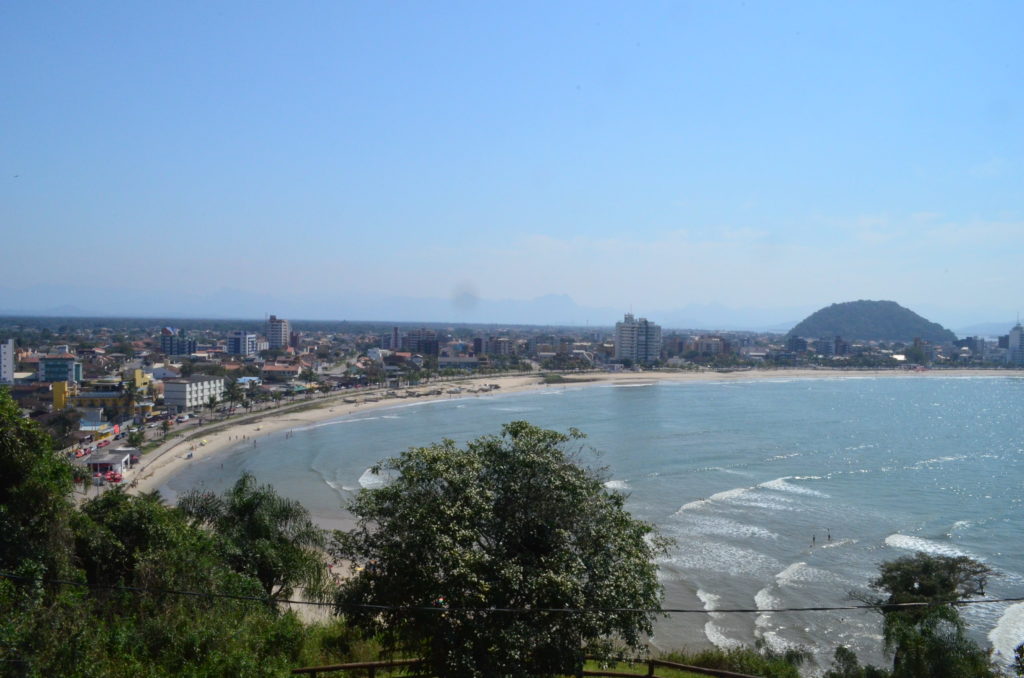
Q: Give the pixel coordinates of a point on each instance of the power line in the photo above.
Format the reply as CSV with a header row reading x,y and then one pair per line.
x,y
514,610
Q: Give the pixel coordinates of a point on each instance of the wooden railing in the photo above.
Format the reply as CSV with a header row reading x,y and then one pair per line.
x,y
371,668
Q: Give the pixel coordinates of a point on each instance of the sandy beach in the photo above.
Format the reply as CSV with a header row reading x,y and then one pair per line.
x,y
160,464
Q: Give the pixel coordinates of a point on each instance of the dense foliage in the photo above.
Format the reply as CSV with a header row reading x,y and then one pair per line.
x,y
507,522
64,608
871,320
756,661
263,535
922,629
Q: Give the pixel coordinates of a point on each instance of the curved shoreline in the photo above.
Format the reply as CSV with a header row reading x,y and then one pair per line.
x,y
173,456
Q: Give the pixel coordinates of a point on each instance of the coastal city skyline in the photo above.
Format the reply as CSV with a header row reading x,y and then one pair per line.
x,y
467,339
412,163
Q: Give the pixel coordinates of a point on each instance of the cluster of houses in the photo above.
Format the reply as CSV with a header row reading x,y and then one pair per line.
x,y
115,378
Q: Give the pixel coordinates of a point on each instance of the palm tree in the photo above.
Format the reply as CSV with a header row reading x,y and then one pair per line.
x,y
233,392
211,403
129,398
264,535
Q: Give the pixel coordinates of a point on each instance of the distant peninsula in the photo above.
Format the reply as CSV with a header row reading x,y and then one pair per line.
x,y
871,321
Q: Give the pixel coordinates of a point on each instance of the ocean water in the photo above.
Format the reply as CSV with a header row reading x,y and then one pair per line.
x,y
779,493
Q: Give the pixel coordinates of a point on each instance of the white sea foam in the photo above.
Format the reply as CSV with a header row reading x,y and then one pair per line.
x,y
1008,632
710,600
725,527
729,494
838,542
774,502
776,642
722,469
718,637
617,485
792,574
911,543
335,422
371,480
723,496
764,600
390,416
722,559
780,485
935,460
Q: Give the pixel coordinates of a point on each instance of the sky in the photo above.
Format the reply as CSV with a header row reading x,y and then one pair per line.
x,y
768,156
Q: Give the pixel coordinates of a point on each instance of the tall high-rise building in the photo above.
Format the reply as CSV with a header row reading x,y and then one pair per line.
x,y
422,341
1015,346
174,342
278,332
637,340
7,362
241,343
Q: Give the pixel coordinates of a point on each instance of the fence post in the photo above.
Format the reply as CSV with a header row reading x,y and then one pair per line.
x,y
650,667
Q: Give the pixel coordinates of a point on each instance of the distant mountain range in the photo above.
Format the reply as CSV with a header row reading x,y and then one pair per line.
x,y
552,309
871,320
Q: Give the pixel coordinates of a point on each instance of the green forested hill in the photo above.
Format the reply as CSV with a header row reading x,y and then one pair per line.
x,y
871,320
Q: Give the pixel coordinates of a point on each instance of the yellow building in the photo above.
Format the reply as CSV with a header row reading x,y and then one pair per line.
x,y
138,378
62,391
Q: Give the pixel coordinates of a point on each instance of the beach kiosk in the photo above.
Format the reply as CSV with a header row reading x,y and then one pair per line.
x,y
119,460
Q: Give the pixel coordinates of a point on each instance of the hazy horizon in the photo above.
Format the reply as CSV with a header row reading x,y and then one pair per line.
x,y
712,162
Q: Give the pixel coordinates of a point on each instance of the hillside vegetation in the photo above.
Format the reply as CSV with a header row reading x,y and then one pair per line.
x,y
871,320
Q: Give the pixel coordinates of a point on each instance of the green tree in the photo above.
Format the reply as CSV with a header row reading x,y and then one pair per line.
x,y
63,425
233,392
136,438
509,521
165,426
846,665
129,398
263,535
929,640
34,488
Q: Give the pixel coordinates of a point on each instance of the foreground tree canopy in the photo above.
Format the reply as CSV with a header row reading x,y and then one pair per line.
x,y
81,591
921,627
264,535
473,552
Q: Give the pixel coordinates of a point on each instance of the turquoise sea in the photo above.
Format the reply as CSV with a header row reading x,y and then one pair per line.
x,y
779,493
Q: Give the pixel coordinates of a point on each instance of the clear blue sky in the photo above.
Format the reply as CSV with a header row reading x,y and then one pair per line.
x,y
752,154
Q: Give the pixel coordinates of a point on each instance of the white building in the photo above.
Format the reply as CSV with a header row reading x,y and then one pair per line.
x,y
7,362
191,392
279,332
1015,349
637,340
